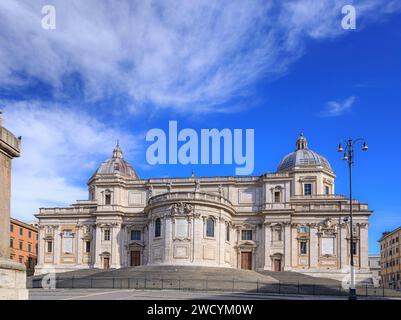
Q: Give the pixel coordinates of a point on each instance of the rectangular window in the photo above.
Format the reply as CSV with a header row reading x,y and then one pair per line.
x,y
303,247
21,231
353,248
246,235
106,235
327,190
67,241
227,232
87,246
135,235
307,189
303,229
21,245
20,259
29,247
209,227
11,227
11,243
49,247
277,196
277,235
107,199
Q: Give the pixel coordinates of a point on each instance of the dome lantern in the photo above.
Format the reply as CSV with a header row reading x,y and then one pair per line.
x,y
302,143
303,157
117,165
117,152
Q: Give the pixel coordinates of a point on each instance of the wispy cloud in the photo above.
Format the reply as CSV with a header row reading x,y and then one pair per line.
x,y
335,108
189,55
60,146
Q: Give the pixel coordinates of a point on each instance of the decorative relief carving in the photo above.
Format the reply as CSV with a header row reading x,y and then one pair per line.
x,y
181,208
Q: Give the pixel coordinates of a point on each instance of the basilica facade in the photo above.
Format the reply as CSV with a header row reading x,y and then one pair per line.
x,y
289,220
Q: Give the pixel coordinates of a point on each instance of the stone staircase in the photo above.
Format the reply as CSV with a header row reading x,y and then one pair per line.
x,y
206,278
296,277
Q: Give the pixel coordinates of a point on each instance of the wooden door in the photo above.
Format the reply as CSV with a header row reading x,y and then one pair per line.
x,y
246,260
135,258
277,265
106,262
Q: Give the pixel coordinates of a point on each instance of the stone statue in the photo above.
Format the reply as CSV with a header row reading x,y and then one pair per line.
x,y
197,185
221,190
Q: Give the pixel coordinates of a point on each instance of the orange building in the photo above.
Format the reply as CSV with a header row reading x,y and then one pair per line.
x,y
24,244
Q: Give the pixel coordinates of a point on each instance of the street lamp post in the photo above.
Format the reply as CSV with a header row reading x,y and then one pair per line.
x,y
349,157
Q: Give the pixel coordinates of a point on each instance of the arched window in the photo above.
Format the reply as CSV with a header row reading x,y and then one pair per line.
x,y
210,227
158,227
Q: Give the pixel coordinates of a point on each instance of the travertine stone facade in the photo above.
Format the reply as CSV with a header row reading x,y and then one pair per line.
x,y
287,220
12,274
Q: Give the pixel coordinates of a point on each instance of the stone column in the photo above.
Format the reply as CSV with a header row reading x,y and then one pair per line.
x,y
167,238
117,245
12,274
57,246
268,233
41,246
98,246
313,250
115,254
363,230
79,243
294,246
287,246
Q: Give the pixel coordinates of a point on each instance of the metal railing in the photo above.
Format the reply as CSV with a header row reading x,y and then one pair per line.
x,y
206,284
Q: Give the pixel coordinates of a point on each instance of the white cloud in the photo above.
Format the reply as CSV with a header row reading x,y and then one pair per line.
x,y
60,146
335,108
190,55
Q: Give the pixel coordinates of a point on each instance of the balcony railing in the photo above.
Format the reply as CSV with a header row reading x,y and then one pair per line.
x,y
184,195
319,197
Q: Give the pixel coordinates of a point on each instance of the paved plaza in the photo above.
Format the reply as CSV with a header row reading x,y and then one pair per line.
x,y
132,294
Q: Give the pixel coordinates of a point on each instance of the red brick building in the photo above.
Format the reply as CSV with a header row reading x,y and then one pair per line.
x,y
24,244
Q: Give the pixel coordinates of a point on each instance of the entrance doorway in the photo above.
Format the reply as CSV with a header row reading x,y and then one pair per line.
x,y
106,262
135,258
246,260
277,264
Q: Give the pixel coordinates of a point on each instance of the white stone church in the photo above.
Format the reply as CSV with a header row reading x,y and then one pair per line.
x,y
288,220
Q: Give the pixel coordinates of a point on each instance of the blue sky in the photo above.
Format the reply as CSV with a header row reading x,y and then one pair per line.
x,y
275,67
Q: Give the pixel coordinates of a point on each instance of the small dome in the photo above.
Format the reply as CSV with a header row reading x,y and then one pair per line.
x,y
303,157
117,165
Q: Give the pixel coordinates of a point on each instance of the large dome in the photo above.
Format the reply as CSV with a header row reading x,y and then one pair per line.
x,y
117,165
303,157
